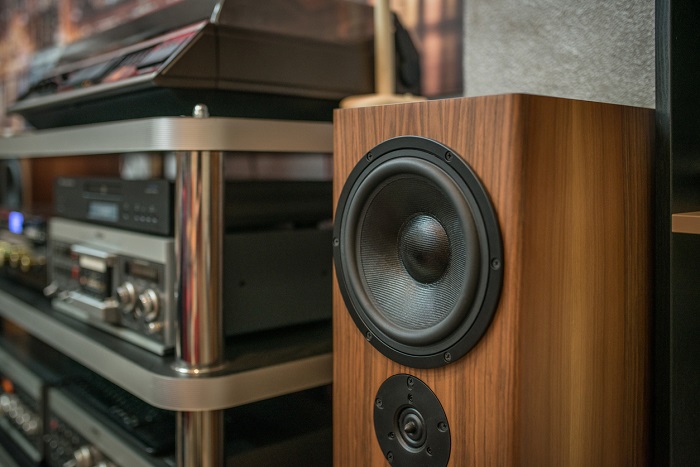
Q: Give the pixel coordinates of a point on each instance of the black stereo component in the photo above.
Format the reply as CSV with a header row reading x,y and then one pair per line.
x,y
91,421
20,416
23,248
276,278
55,412
148,205
137,205
76,435
27,369
261,434
151,428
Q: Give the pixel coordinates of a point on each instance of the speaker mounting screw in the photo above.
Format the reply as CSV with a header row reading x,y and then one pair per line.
x,y
379,403
370,156
410,398
447,357
495,263
429,451
448,156
442,426
336,242
392,435
410,382
368,336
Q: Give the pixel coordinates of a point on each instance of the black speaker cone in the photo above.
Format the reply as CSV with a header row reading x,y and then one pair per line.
x,y
424,248
414,251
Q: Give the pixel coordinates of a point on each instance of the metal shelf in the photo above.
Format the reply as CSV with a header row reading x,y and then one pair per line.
x,y
206,375
687,222
258,367
173,134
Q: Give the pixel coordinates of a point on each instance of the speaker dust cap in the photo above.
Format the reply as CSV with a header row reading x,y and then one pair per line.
x,y
417,252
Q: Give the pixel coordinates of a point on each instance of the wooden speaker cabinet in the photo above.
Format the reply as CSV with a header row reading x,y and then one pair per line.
x,y
493,255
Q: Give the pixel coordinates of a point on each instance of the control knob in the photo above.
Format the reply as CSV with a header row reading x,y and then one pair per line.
x,y
51,289
84,456
155,327
31,427
148,305
126,294
8,402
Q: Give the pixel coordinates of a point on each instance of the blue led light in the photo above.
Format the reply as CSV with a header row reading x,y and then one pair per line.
x,y
15,222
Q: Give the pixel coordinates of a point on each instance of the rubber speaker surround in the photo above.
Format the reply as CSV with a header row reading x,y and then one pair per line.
x,y
418,252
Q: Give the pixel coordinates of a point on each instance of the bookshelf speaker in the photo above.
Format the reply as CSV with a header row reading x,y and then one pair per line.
x,y
492,283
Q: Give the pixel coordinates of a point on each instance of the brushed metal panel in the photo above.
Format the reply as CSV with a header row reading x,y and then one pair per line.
x,y
173,134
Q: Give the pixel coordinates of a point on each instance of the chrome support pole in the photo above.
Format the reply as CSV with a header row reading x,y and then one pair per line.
x,y
200,338
200,439
199,240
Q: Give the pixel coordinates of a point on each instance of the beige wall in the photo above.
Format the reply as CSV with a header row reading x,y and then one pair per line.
x,y
600,50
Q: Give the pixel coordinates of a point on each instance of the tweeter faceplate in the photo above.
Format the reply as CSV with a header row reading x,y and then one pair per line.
x,y
410,424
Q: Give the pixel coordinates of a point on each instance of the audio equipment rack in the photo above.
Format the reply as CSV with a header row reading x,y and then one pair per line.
x,y
207,374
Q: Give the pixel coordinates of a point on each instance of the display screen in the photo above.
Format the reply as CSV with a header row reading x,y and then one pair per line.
x,y
103,211
143,271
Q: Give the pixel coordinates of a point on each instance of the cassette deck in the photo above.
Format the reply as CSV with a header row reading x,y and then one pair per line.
x,y
124,282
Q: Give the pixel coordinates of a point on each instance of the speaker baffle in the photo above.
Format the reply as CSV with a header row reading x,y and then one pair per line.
x,y
418,252
410,424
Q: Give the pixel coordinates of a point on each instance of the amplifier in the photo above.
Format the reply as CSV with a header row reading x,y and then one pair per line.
x,y
124,282
79,435
55,412
20,409
27,369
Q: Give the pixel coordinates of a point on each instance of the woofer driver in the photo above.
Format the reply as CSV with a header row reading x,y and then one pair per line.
x,y
418,252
